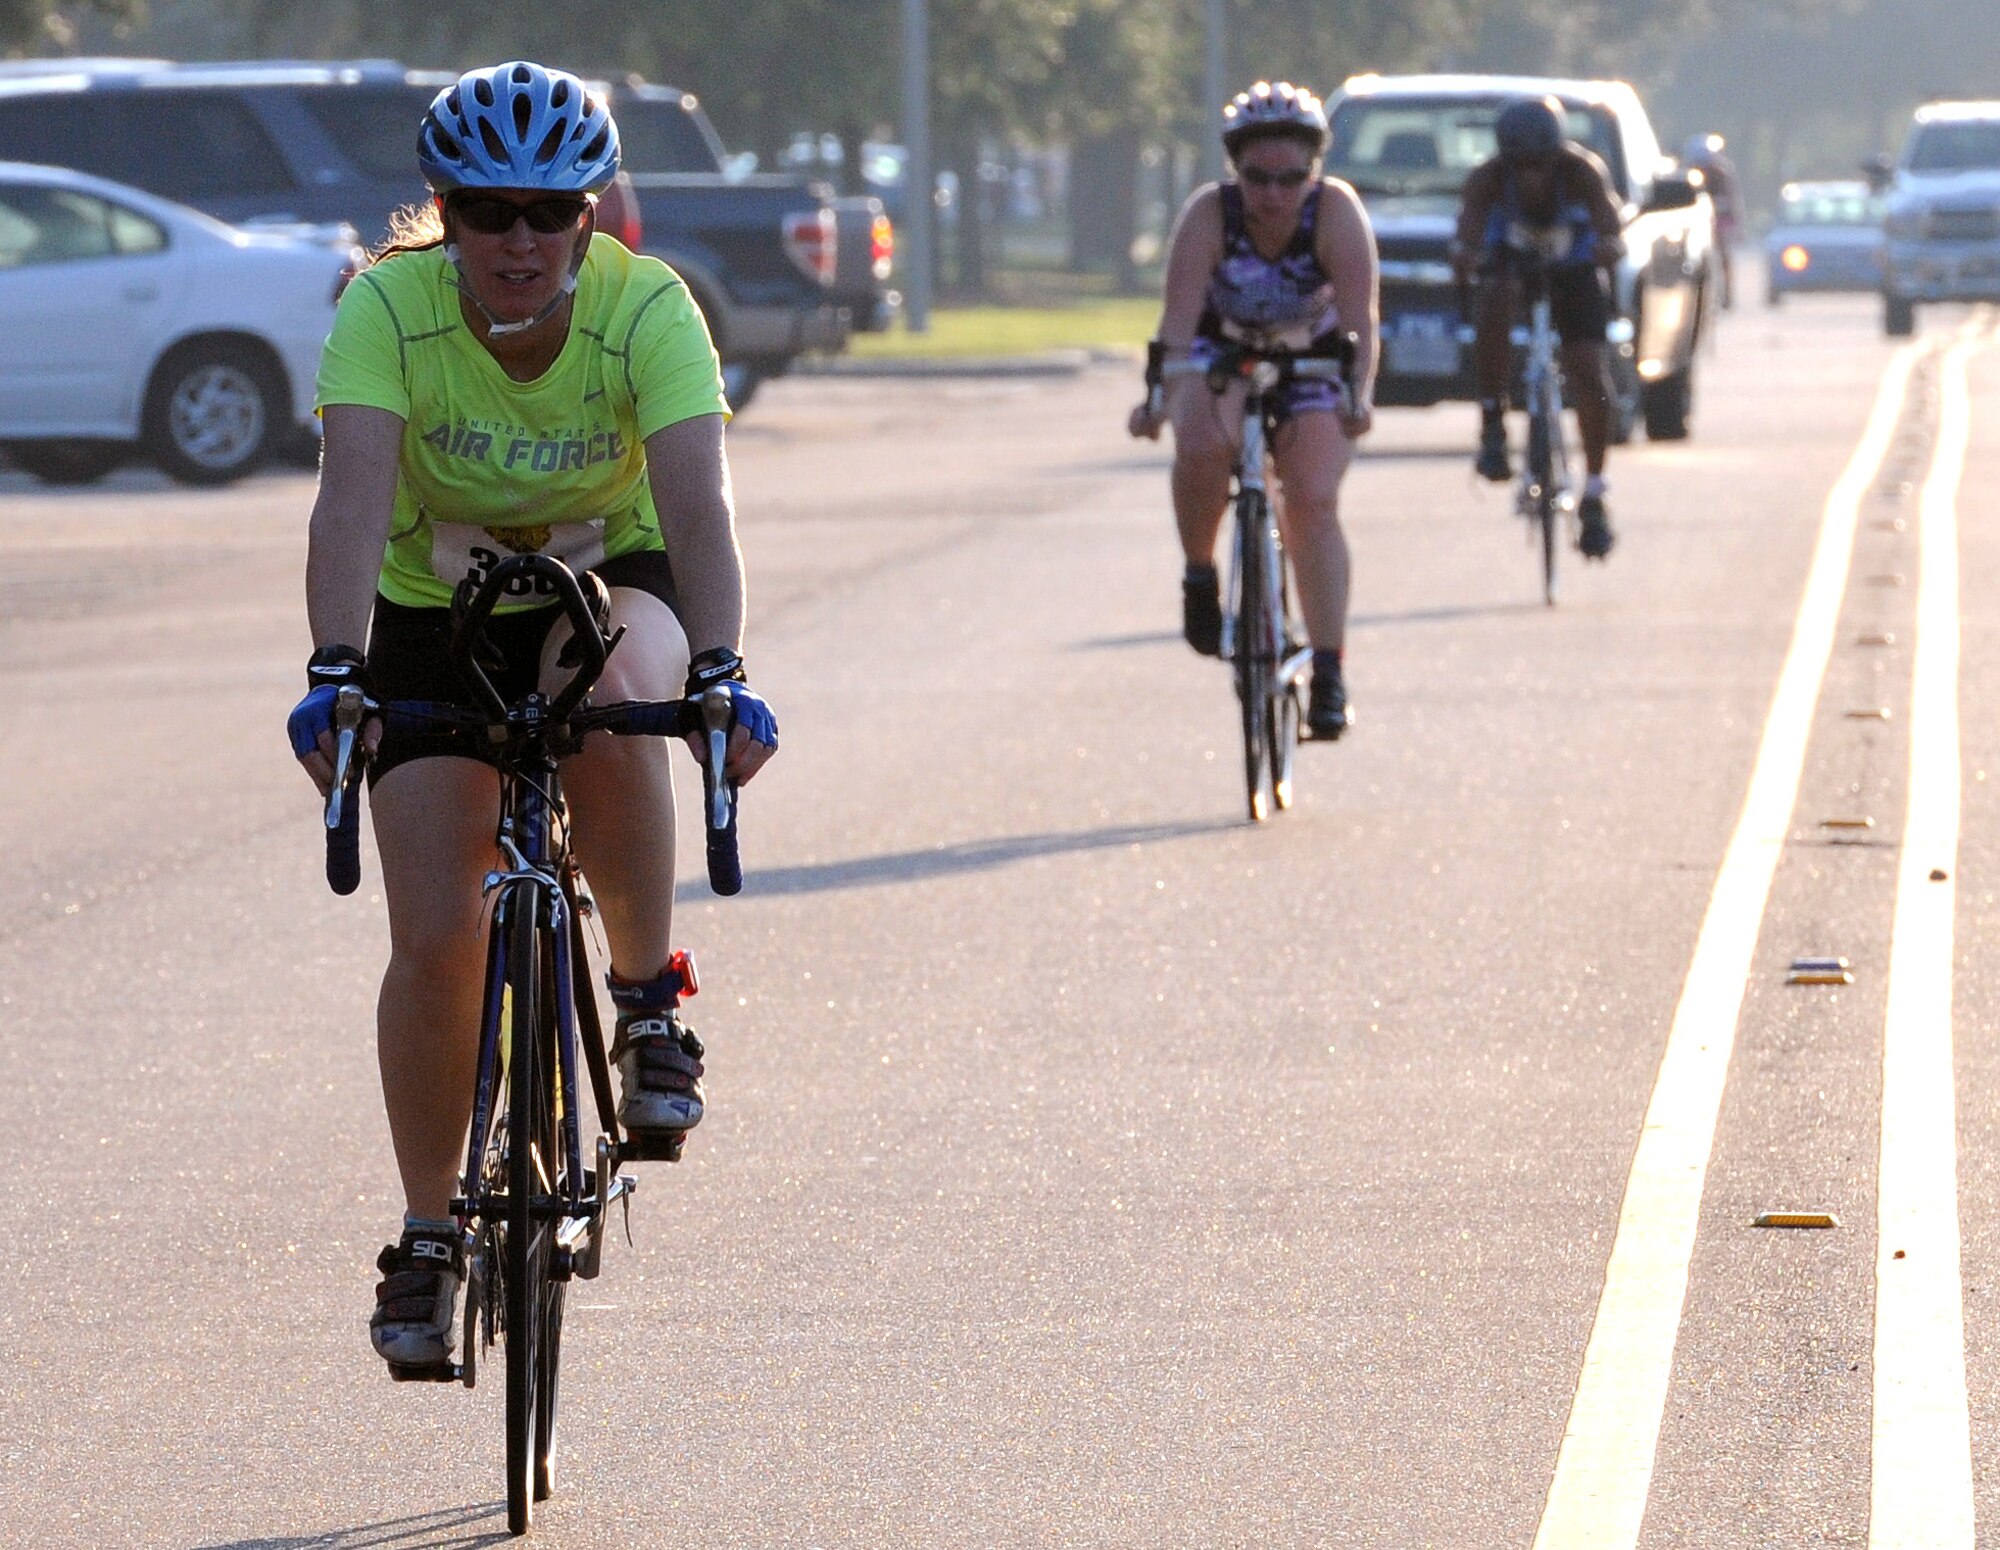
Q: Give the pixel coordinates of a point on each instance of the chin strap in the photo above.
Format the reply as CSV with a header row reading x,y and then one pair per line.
x,y
496,329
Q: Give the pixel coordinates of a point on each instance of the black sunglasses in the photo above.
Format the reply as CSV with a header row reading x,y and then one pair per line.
x,y
1291,177
495,217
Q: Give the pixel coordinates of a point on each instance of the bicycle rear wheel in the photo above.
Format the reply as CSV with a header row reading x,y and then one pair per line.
x,y
533,1297
1254,666
1548,514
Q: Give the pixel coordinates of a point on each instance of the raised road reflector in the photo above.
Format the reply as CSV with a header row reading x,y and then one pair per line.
x,y
1870,713
1847,823
1883,638
1820,971
1796,1219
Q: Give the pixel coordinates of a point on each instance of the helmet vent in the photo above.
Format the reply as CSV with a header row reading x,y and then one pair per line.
x,y
482,92
595,149
559,96
545,153
524,113
495,146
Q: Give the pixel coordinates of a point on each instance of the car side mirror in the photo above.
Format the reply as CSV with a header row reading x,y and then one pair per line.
x,y
1674,191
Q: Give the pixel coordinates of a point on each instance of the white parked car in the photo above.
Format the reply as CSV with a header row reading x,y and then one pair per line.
x,y
133,326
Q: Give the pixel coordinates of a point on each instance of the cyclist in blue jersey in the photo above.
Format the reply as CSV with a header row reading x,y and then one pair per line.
x,y
1281,256
1542,190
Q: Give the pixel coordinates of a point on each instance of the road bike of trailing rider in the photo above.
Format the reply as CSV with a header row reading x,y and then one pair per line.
x,y
1542,190
504,380
1276,253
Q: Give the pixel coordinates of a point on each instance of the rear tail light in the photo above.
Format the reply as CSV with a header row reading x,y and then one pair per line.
x,y
618,212
813,241
881,247
357,260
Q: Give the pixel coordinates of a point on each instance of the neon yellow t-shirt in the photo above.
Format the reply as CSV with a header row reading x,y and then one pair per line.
x,y
491,466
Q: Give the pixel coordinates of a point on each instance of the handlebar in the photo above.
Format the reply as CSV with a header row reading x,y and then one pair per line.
x,y
1328,359
561,723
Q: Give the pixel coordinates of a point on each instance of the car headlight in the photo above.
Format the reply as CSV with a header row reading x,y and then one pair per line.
x,y
1795,259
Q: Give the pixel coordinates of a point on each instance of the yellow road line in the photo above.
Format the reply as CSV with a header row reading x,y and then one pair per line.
x,y
1921,1494
1604,1470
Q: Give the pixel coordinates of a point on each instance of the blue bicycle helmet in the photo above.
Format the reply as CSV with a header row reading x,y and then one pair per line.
x,y
518,125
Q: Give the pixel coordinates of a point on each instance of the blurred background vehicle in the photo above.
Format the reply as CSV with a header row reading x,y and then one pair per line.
x,y
779,265
258,141
138,327
1941,212
1825,236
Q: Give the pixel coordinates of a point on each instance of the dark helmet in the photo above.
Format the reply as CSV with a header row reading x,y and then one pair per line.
x,y
1529,127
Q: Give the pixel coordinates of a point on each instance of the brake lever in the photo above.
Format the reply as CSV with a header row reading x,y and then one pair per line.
x,y
350,710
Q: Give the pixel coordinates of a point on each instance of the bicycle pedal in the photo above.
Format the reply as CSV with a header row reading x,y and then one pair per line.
x,y
429,1372
652,1146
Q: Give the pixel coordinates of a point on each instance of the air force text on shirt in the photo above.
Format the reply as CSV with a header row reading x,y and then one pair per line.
x,y
543,454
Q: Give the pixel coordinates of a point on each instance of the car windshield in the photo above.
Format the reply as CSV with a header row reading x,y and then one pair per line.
x,y
1844,206
1427,145
1956,147
659,136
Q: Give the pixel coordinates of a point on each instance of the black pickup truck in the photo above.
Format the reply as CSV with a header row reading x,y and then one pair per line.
x,y
779,265
1406,143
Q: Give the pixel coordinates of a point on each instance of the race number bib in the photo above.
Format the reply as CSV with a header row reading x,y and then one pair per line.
x,y
460,550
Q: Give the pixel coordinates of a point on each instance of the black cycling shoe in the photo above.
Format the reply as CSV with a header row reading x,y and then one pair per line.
x,y
416,1301
1327,713
1201,611
1492,462
1595,541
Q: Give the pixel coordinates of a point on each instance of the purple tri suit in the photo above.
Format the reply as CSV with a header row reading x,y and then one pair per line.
x,y
1289,296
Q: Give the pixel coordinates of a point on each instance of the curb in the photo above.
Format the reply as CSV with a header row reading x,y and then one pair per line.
x,y
1042,363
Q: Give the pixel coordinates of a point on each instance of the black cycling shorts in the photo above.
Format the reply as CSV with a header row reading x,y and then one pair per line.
x,y
1579,300
409,658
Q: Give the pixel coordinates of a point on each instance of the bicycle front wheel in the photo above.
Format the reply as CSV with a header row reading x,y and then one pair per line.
x,y
1254,666
534,1297
1282,725
1542,432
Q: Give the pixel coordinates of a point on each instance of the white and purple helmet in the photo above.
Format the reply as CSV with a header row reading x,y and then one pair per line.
x,y
518,125
1273,107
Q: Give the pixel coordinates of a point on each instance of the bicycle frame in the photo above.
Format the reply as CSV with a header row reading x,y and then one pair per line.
x,y
1268,564
1545,494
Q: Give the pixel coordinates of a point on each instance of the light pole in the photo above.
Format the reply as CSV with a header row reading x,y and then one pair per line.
x,y
1215,88
918,184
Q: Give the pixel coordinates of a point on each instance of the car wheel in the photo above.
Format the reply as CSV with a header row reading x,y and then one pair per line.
x,y
1899,316
213,412
1668,404
740,381
68,461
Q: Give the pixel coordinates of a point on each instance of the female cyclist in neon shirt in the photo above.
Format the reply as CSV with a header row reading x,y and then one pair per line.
x,y
503,380
1280,249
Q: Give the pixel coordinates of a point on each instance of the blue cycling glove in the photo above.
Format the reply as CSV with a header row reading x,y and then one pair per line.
x,y
327,670
310,717
721,669
752,712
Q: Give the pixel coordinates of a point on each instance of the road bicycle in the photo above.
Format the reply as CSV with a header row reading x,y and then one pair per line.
x,y
1261,637
1546,492
531,1208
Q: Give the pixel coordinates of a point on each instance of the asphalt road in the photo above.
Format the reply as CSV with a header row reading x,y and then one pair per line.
x,y
1085,1166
